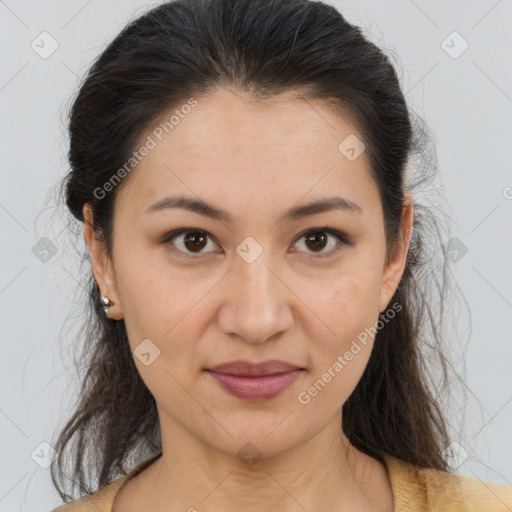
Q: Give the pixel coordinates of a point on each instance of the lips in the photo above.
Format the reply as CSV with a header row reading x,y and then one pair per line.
x,y
247,369
255,381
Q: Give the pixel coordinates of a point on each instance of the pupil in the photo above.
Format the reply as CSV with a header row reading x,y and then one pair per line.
x,y
193,238
315,237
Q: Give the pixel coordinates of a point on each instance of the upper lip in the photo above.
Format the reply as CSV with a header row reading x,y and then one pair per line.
x,y
246,368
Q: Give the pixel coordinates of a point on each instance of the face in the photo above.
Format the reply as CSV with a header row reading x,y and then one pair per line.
x,y
255,284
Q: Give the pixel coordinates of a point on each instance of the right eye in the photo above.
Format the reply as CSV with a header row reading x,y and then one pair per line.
x,y
187,240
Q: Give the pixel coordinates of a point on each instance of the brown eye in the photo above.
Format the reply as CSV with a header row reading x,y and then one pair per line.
x,y
189,241
195,241
319,242
318,239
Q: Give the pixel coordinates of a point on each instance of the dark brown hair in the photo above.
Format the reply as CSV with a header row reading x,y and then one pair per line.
x,y
188,48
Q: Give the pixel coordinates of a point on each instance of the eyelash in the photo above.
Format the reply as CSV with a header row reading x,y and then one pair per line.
x,y
342,239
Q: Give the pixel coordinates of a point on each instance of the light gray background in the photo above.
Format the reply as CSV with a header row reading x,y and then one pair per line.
x,y
466,101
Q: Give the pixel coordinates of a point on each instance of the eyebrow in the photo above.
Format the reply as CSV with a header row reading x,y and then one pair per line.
x,y
298,212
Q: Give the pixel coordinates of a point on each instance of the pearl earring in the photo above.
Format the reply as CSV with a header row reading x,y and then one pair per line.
x,y
106,304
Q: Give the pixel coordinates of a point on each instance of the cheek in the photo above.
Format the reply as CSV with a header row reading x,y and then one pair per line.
x,y
346,310
163,331
158,304
349,303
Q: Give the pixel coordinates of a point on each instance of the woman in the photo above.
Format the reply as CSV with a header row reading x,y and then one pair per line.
x,y
256,260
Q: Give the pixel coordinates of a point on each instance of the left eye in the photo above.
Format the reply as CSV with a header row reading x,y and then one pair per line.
x,y
319,237
193,241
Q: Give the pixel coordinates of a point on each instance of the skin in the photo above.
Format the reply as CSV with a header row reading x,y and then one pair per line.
x,y
255,160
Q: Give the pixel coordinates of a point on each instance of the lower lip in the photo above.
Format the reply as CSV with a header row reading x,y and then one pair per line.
x,y
256,388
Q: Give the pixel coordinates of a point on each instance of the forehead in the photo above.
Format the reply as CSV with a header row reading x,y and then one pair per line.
x,y
286,119
232,147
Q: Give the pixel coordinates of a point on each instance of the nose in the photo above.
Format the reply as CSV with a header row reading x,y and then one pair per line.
x,y
257,303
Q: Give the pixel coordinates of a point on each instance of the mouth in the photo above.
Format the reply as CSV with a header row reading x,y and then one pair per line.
x,y
255,381
242,368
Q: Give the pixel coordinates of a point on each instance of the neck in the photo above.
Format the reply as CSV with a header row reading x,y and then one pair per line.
x,y
324,473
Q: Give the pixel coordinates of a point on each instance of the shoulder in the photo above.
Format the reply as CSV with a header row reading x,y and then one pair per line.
x,y
464,492
103,499
100,501
433,490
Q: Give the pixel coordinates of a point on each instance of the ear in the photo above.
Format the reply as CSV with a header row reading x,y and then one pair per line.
x,y
101,264
395,266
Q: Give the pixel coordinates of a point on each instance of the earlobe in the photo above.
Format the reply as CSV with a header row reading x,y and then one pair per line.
x,y
101,264
394,268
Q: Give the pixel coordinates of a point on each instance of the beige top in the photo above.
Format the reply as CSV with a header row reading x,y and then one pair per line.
x,y
414,490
